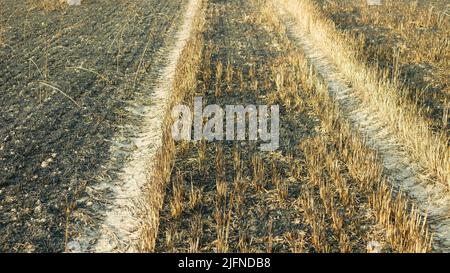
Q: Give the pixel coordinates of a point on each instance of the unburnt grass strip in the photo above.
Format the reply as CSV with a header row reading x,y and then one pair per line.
x,y
47,5
385,99
408,38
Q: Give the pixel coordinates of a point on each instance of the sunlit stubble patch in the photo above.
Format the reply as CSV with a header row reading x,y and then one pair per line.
x,y
236,116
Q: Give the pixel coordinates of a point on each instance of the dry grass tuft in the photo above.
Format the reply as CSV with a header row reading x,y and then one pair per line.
x,y
47,5
2,31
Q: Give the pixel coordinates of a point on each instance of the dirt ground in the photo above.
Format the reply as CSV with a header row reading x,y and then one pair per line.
x,y
65,78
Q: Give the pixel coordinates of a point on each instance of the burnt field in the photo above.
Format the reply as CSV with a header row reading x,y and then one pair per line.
x,y
65,80
94,156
